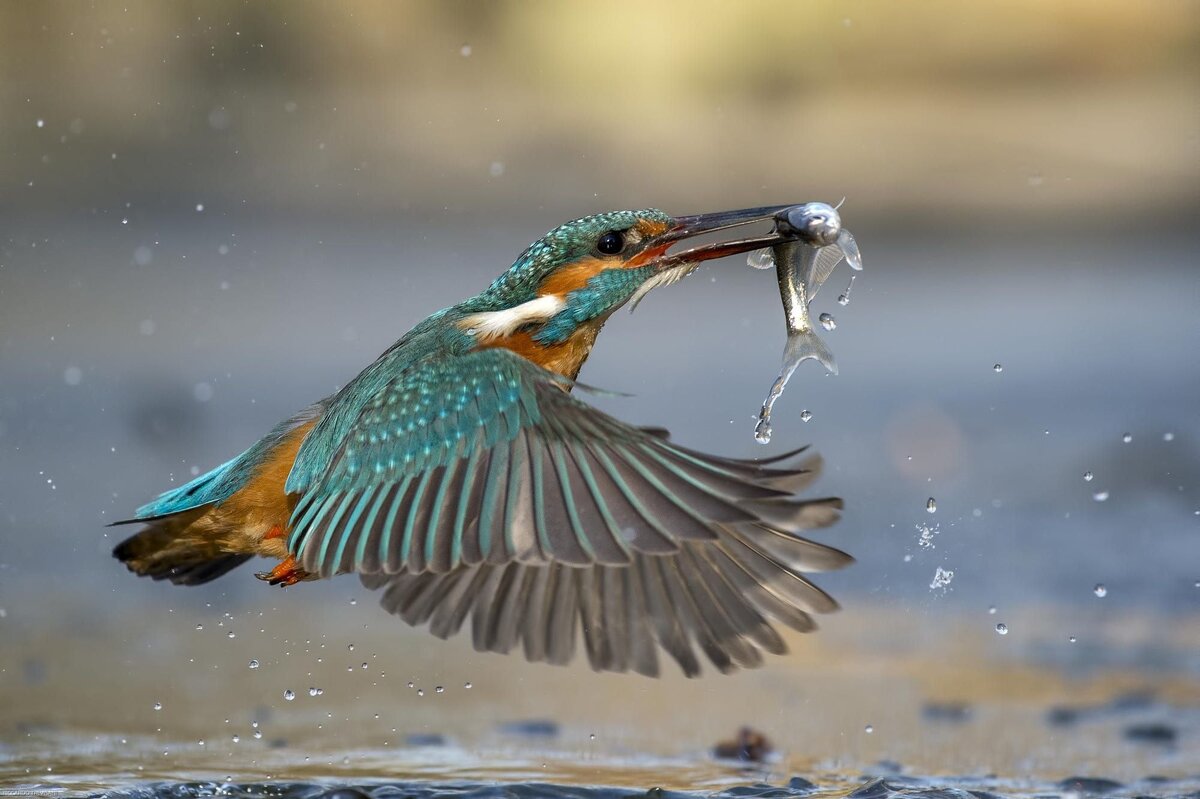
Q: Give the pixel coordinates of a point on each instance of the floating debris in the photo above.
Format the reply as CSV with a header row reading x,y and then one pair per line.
x,y
750,746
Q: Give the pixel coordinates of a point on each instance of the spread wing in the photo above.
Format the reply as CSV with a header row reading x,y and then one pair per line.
x,y
479,486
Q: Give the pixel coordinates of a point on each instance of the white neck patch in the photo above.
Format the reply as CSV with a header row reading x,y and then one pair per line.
x,y
488,325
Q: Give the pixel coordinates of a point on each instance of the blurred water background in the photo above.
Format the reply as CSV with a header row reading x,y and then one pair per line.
x,y
213,213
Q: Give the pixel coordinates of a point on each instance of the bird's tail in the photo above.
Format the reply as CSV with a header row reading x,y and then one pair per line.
x,y
166,551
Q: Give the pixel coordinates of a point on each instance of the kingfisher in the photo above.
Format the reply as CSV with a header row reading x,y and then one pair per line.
x,y
460,474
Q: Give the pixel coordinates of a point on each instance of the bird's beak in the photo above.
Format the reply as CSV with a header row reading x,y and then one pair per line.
x,y
687,227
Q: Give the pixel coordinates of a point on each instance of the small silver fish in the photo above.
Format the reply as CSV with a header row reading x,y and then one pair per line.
x,y
802,265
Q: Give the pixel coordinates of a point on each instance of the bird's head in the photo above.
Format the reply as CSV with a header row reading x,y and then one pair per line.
x,y
556,296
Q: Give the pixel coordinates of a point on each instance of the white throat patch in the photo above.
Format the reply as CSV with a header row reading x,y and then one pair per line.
x,y
663,278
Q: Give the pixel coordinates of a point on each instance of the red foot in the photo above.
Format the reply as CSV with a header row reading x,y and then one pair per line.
x,y
285,574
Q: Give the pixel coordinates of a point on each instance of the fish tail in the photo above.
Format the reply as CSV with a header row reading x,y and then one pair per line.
x,y
805,344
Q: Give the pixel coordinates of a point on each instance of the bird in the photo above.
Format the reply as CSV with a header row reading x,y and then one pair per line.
x,y
461,475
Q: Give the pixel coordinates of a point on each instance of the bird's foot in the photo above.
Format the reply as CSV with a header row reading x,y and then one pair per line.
x,y
285,574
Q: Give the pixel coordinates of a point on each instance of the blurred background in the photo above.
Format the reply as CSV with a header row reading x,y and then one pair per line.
x,y
212,214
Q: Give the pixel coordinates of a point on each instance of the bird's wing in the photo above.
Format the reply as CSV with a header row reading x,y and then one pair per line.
x,y
721,597
478,485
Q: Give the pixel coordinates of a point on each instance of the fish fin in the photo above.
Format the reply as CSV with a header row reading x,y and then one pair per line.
x,y
849,248
803,345
826,261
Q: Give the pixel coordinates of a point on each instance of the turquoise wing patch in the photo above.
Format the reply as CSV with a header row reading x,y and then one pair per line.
x,y
486,458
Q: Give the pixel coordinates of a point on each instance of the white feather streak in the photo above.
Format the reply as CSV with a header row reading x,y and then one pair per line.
x,y
498,324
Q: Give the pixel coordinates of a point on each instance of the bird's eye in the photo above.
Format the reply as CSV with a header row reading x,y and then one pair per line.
x,y
611,242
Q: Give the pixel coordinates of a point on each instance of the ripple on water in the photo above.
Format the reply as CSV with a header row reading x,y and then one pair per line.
x,y
891,787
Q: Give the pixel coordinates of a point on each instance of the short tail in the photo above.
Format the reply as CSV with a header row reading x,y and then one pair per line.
x,y
163,552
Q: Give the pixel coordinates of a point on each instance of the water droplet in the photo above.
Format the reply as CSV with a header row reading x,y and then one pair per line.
x,y
199,626
258,733
231,634
468,686
254,664
411,684
158,705
827,321
941,579
931,505
289,694
761,259
1088,477
364,665
991,610
200,742
1168,436
350,648
353,601
1100,496
237,739
313,692
997,368
1002,628
1072,639
844,297
870,728
439,689
1100,590
41,123
1127,437
199,208
420,692
762,432
805,415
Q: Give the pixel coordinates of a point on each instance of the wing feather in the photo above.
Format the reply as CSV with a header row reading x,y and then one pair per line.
x,y
478,487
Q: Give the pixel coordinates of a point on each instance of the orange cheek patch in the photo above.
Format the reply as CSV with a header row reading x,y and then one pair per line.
x,y
573,276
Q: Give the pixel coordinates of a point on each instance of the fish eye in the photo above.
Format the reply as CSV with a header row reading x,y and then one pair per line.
x,y
611,242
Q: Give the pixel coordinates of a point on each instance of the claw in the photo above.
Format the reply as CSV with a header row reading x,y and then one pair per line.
x,y
285,574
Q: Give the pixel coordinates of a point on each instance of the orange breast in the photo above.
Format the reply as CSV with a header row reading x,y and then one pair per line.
x,y
565,359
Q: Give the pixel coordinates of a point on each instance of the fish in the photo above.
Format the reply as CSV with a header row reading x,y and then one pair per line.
x,y
803,262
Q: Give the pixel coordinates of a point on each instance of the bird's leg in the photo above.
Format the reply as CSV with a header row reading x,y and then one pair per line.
x,y
286,572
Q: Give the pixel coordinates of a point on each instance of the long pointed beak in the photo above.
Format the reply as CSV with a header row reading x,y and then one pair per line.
x,y
690,226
